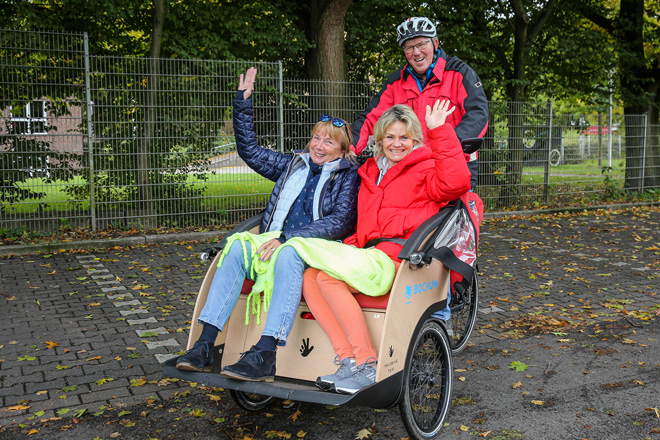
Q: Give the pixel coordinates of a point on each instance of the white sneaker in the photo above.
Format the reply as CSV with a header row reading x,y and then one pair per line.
x,y
362,378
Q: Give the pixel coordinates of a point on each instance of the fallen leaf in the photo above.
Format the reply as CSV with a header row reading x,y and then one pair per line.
x,y
295,415
518,366
538,402
363,433
138,382
16,408
656,410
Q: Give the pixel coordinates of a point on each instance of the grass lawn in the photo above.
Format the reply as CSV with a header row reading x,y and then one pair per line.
x,y
221,191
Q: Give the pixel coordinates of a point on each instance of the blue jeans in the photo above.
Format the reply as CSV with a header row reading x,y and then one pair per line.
x,y
228,281
445,313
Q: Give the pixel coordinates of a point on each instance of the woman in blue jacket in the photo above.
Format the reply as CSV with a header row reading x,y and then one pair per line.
x,y
315,195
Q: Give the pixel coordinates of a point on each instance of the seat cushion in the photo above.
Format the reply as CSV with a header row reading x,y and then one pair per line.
x,y
365,301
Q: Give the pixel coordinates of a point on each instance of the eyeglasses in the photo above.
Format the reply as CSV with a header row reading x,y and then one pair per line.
x,y
335,121
420,47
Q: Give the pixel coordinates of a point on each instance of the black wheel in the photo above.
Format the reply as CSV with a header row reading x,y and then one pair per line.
x,y
464,317
427,383
251,401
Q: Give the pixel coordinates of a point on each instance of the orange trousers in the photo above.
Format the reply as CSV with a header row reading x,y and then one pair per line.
x,y
332,303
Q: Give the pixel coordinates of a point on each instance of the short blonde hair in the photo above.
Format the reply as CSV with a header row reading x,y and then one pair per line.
x,y
338,134
397,113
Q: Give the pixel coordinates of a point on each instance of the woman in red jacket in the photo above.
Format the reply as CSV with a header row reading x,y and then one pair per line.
x,y
402,186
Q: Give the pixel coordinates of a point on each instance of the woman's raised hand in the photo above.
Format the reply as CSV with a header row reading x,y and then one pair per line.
x,y
246,82
436,116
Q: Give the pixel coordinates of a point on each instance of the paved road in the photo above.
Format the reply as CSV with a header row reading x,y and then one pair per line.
x,y
572,297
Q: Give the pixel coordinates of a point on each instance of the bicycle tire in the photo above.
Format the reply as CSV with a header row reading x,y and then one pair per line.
x,y
464,317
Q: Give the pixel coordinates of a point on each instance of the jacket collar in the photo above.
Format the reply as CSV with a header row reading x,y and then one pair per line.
x,y
303,157
371,171
437,68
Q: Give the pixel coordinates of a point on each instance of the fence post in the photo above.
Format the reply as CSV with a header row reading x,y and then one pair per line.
x,y
609,131
546,172
90,137
280,127
646,122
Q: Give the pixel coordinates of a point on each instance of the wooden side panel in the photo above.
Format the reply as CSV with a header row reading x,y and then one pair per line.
x,y
413,292
308,353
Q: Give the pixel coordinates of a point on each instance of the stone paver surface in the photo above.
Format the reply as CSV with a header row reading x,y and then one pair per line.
x,y
81,330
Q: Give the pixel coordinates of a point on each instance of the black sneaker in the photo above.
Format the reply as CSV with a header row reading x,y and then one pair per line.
x,y
198,358
255,365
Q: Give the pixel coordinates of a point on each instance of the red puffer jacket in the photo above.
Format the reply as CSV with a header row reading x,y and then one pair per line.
x,y
411,191
451,79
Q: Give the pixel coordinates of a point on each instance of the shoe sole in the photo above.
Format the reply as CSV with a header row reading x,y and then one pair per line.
x,y
191,367
346,391
247,378
325,386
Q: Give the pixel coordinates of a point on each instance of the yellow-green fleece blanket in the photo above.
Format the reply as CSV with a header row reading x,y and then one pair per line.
x,y
369,271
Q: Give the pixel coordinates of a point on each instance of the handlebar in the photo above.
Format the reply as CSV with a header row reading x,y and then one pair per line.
x,y
471,145
208,254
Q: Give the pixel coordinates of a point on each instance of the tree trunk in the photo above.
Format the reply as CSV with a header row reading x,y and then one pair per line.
x,y
525,31
143,174
325,61
638,79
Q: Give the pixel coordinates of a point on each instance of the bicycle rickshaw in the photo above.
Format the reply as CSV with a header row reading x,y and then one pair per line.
x,y
415,353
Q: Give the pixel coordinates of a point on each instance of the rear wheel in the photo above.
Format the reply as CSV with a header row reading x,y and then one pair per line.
x,y
251,401
427,383
464,317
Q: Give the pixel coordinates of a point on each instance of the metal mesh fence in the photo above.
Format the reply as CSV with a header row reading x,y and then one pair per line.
x,y
42,134
164,151
116,142
306,100
534,158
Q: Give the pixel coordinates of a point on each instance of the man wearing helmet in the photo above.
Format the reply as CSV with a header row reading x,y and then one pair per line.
x,y
428,75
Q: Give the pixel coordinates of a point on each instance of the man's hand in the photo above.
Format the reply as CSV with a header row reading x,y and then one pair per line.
x,y
436,116
267,249
246,82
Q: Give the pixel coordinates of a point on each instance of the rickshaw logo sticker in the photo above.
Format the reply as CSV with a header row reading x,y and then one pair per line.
x,y
419,288
305,349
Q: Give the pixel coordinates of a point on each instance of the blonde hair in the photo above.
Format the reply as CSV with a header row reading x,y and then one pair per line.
x,y
397,113
338,134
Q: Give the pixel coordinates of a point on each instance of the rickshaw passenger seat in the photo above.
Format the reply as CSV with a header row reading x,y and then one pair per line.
x,y
365,301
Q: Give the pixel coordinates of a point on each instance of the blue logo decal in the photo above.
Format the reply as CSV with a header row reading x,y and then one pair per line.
x,y
419,288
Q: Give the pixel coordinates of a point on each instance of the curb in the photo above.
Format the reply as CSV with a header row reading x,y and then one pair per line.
x,y
27,249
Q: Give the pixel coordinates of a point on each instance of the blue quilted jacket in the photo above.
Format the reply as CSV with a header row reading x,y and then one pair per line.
x,y
335,206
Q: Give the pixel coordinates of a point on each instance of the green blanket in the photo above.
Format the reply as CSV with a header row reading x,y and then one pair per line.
x,y
369,271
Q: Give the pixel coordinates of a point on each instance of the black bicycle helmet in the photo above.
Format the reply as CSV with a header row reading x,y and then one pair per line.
x,y
415,27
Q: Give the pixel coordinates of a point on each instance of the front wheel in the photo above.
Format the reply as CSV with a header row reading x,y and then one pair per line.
x,y
251,401
427,383
464,317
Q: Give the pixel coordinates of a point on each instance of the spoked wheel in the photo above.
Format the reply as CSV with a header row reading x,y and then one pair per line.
x,y
464,317
427,383
251,401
